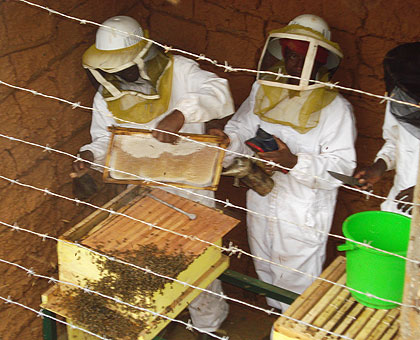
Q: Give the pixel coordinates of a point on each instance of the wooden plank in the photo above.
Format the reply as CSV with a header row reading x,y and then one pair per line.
x,y
391,333
257,286
372,323
121,233
349,319
83,227
303,304
410,317
320,312
360,321
390,317
287,333
341,304
334,309
310,296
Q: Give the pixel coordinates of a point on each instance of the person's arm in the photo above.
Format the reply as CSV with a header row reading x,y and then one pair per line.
x,y
199,96
336,149
101,120
241,127
390,135
205,97
385,158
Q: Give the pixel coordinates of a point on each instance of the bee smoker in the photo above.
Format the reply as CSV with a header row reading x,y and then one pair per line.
x,y
249,173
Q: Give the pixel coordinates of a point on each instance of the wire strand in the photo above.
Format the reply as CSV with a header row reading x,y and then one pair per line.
x,y
227,204
225,65
47,148
231,249
43,315
188,325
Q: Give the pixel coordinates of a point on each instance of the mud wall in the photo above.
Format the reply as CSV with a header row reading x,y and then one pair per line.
x,y
42,52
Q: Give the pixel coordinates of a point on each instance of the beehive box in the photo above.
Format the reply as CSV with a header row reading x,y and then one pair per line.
x,y
117,234
333,309
135,157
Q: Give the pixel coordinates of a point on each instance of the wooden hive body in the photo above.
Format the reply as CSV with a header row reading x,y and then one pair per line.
x,y
114,234
332,308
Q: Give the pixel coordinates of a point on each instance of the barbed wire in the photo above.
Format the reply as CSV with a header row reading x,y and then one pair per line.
x,y
15,227
231,249
30,272
188,325
226,204
225,65
271,163
231,69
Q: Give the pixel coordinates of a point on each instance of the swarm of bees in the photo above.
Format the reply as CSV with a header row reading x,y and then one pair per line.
x,y
126,283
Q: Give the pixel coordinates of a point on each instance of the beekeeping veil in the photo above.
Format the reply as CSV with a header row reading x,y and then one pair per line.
x,y
402,80
309,36
297,104
119,46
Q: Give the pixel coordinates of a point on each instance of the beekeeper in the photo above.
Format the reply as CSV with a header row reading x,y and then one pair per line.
x,y
139,83
401,129
315,132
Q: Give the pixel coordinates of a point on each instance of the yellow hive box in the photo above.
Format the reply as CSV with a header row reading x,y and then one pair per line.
x,y
115,233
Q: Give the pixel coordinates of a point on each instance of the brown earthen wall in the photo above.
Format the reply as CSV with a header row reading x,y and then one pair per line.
x,y
43,52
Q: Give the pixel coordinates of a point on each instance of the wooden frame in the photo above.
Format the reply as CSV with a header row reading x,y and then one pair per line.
x,y
199,138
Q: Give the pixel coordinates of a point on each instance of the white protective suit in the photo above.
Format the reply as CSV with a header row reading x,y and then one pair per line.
x,y
302,200
400,153
201,96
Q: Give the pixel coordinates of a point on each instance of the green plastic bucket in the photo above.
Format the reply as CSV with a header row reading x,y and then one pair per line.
x,y
372,271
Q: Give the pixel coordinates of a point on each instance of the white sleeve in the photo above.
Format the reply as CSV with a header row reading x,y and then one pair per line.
x,y
101,120
390,135
206,95
336,149
242,126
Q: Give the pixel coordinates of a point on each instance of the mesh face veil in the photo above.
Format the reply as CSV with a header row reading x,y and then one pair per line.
x,y
301,50
119,46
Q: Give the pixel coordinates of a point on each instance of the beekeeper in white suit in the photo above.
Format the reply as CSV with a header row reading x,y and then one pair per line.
x,y
314,129
401,129
141,84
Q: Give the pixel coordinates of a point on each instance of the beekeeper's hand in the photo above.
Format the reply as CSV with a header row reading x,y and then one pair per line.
x,y
372,174
283,156
405,195
80,167
220,133
171,123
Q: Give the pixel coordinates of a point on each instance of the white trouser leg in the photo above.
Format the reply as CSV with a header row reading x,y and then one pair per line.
x,y
275,240
208,311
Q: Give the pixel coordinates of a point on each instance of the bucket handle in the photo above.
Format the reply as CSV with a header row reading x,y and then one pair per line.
x,y
347,246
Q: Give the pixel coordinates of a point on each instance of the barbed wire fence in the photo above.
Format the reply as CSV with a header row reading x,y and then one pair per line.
x,y
232,249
